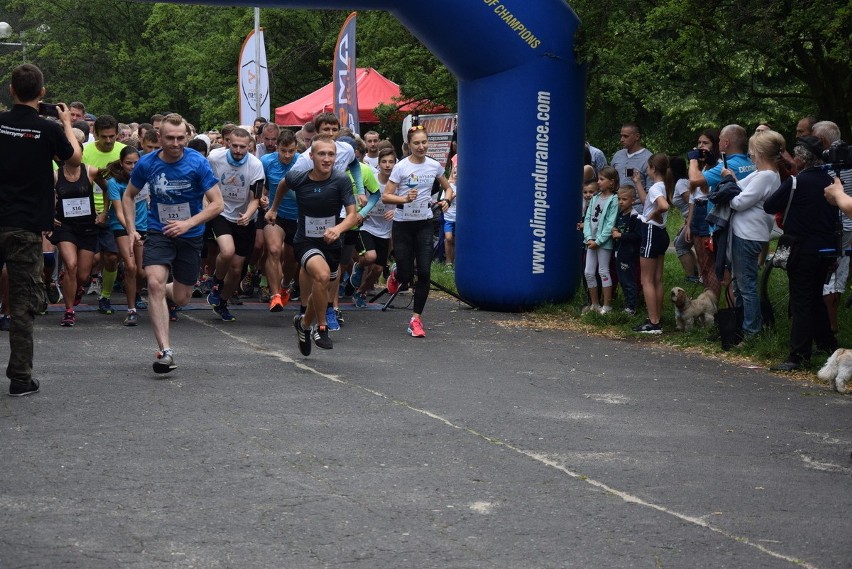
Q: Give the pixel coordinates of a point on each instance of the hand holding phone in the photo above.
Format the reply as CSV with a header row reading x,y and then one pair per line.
x,y
48,110
724,160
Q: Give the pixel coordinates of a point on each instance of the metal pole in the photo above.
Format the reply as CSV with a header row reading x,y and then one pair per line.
x,y
257,62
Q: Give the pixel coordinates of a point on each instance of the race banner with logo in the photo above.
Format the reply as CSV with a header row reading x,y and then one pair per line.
x,y
345,99
439,129
254,79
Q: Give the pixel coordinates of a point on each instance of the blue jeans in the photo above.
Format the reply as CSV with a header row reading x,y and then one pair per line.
x,y
744,258
627,280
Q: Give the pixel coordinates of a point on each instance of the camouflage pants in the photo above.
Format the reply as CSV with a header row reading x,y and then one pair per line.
x,y
21,251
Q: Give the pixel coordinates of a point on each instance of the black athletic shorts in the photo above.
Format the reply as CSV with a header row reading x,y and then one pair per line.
x,y
86,240
182,254
243,235
369,242
655,241
304,250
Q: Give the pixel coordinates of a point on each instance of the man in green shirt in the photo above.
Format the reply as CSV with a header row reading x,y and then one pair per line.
x,y
102,151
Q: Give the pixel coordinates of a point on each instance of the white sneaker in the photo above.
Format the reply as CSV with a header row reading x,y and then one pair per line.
x,y
591,308
605,309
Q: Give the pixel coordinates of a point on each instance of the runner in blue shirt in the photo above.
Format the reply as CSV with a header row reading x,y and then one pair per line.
x,y
179,179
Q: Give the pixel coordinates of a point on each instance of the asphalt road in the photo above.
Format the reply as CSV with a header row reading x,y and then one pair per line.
x,y
486,444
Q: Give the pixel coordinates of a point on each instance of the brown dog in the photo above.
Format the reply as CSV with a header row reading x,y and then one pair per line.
x,y
687,311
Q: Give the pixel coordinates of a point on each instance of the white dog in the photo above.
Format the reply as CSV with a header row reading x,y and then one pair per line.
x,y
687,311
838,369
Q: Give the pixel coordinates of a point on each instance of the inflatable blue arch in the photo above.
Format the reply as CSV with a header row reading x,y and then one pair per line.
x,y
521,124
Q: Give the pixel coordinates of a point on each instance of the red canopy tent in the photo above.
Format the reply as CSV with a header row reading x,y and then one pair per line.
x,y
373,89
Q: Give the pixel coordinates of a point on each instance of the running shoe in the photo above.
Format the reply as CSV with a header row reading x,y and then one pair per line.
x,y
630,311
415,328
339,315
285,295
53,293
247,284
360,300
235,299
205,284
321,339
164,361
222,310
94,286
265,296
141,303
295,294
392,284
69,319
649,328
173,313
275,303
331,319
104,306
304,336
605,309
4,323
213,297
132,319
357,275
78,296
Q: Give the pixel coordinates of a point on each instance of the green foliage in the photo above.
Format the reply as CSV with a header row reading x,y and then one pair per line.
x,y
675,66
683,65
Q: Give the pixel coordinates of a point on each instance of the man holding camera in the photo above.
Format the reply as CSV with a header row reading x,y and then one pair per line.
x,y
28,144
828,134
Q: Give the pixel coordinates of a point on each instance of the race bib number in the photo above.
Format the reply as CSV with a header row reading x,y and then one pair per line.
x,y
316,226
415,210
173,212
76,207
235,194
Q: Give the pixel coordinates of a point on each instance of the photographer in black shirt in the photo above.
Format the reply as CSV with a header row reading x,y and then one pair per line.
x,y
28,144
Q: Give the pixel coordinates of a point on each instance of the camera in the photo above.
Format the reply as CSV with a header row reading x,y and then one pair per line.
x,y
629,172
838,155
48,110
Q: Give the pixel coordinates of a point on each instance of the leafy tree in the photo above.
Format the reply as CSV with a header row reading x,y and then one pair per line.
x,y
682,65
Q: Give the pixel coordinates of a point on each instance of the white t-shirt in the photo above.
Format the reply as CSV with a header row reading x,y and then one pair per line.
x,y
345,156
374,162
421,177
376,224
235,181
654,192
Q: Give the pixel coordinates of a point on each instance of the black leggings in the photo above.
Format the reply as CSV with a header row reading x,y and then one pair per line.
x,y
412,240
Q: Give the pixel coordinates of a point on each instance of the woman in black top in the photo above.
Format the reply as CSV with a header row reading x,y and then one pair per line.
x,y
74,232
813,224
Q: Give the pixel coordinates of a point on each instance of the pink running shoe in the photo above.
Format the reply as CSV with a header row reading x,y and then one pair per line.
x,y
415,328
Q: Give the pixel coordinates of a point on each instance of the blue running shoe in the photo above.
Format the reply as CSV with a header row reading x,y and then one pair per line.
x,y
213,298
331,320
222,310
357,274
360,300
104,306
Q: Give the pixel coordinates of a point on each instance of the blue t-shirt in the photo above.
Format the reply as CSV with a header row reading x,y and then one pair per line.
x,y
275,172
739,164
177,189
115,191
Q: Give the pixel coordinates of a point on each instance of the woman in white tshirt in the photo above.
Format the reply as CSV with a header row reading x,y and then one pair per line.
x,y
751,225
410,189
